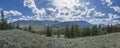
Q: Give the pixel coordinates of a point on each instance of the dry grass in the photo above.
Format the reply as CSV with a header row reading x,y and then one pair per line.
x,y
21,39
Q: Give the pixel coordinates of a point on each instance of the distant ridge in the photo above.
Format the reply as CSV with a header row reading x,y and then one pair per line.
x,y
44,23
35,23
69,23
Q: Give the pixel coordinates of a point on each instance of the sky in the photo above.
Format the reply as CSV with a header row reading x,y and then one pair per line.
x,y
92,11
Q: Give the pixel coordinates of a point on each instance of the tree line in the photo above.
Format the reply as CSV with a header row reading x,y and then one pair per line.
x,y
74,31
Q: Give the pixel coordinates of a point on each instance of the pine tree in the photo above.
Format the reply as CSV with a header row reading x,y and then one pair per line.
x,y
67,32
72,32
25,29
48,32
85,31
58,33
108,29
2,14
30,28
2,20
94,30
4,25
10,26
17,26
77,33
111,28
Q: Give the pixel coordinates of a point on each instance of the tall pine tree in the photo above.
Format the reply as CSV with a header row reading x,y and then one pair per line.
x,y
30,28
3,25
48,31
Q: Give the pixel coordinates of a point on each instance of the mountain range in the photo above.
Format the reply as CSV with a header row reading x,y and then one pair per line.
x,y
36,23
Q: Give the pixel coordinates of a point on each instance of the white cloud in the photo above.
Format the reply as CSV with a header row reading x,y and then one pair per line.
x,y
12,13
109,2
100,14
11,20
113,16
103,21
51,9
87,3
92,12
116,8
68,10
65,9
26,18
89,11
110,20
65,3
31,4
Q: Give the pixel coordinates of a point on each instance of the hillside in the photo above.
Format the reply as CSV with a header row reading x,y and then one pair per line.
x,y
22,39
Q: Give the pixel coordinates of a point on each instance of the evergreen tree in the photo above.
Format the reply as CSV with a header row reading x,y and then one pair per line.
x,y
25,29
108,29
4,24
72,32
85,31
17,26
111,28
94,31
58,33
48,32
67,32
77,33
30,28
2,15
10,26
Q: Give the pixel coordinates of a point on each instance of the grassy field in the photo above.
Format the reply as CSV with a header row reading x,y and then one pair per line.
x,y
22,39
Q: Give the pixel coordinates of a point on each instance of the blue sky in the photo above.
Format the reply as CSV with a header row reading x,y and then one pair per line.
x,y
92,11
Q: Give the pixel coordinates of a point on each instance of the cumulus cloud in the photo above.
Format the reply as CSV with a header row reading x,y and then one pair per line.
x,y
110,20
31,4
113,16
65,3
109,2
69,10
11,20
12,13
26,18
100,14
65,9
103,21
116,8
